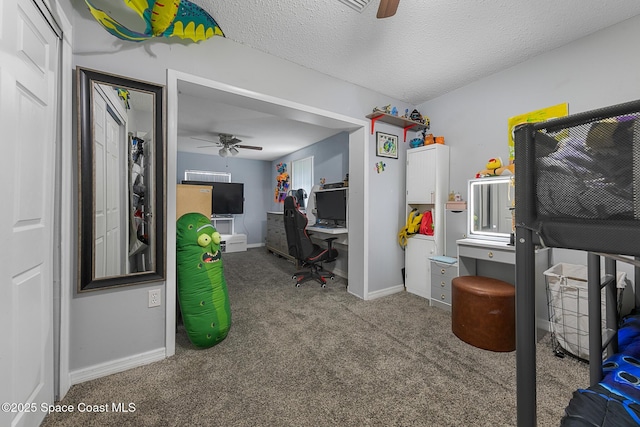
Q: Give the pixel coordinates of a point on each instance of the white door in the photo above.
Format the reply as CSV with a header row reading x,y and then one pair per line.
x,y
115,178
107,146
29,55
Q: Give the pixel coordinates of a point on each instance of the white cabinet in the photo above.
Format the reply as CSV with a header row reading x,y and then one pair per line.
x,y
421,176
417,267
427,190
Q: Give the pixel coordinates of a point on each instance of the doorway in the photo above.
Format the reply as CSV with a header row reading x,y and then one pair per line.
x,y
358,174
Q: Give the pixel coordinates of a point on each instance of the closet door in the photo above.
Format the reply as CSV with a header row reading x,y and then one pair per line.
x,y
29,75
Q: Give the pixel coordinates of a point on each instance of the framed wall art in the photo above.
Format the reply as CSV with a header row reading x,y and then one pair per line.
x,y
386,145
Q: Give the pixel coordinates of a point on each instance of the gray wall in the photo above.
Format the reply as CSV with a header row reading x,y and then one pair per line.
x,y
593,72
598,70
126,326
253,173
330,161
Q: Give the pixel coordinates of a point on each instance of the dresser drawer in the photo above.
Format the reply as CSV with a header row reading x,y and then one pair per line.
x,y
488,254
441,293
441,276
440,271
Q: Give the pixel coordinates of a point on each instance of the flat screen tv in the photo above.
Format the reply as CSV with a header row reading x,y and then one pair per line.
x,y
227,198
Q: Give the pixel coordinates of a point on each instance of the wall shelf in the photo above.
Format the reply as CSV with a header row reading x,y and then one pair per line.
x,y
405,124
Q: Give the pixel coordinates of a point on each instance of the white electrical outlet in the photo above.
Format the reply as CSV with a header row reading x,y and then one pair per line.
x,y
154,298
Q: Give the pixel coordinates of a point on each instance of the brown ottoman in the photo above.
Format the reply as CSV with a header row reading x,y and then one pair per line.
x,y
483,312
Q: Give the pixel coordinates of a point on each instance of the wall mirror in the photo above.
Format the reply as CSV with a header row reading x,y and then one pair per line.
x,y
121,153
491,203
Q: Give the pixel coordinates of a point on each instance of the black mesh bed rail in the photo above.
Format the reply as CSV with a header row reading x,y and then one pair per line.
x,y
578,180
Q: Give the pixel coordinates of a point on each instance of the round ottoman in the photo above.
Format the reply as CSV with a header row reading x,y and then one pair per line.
x,y
483,312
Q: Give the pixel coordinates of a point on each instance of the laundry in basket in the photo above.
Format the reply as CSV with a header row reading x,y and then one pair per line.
x,y
567,297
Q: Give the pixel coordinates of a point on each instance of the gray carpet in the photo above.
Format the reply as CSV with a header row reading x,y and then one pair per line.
x,y
321,357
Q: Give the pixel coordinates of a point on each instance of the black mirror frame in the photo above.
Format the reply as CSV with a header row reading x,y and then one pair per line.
x,y
86,180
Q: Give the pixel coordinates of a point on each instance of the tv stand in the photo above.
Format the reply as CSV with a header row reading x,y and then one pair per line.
x,y
223,223
231,242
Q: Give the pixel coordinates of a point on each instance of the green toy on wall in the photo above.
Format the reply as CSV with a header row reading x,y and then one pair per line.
x,y
202,288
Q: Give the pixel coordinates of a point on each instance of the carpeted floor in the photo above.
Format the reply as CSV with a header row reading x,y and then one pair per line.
x,y
322,357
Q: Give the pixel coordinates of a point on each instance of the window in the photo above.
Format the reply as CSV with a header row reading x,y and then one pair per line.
x,y
302,174
195,175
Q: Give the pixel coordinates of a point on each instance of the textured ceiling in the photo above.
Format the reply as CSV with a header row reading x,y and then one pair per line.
x,y
430,47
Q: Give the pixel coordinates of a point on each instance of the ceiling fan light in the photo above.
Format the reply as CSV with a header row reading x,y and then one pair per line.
x,y
223,152
234,151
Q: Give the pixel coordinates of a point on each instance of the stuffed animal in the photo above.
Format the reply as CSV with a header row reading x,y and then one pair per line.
x,y
494,168
202,288
412,227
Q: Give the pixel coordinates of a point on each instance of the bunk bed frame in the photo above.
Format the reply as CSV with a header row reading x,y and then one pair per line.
x,y
601,232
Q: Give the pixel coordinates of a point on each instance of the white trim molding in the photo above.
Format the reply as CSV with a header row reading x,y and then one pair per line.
x,y
115,366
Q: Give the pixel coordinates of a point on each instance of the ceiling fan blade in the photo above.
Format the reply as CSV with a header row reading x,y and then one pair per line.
x,y
203,139
387,8
249,147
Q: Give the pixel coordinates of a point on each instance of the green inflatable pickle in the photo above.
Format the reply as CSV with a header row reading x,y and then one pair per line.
x,y
202,288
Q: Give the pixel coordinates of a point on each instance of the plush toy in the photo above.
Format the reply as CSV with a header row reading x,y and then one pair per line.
x,y
165,18
416,142
412,227
494,168
202,288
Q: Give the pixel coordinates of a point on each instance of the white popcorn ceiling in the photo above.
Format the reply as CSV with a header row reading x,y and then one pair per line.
x,y
428,48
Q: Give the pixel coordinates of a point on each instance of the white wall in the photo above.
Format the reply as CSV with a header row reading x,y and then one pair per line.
x,y
114,324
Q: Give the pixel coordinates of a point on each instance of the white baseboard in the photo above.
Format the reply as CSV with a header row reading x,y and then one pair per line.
x,y
426,294
338,272
385,292
543,324
115,366
255,245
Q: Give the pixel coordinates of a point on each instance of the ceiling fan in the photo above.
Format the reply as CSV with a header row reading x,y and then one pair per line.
x,y
387,8
228,144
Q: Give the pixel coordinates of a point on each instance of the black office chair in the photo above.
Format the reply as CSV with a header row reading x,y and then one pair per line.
x,y
301,247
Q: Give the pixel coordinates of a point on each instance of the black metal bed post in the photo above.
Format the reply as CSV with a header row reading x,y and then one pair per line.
x,y
525,280
525,329
636,283
613,317
595,318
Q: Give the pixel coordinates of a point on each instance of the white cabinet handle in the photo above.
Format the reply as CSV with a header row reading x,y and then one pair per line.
x,y
490,254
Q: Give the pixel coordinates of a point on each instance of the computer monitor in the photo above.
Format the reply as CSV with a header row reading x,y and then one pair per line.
x,y
331,206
